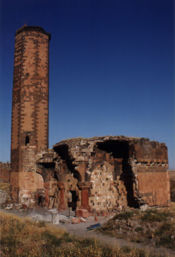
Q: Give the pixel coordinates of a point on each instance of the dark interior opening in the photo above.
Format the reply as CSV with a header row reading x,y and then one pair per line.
x,y
27,140
47,170
74,200
41,200
63,152
120,149
49,165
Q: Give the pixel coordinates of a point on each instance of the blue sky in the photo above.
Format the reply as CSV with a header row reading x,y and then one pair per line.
x,y
111,68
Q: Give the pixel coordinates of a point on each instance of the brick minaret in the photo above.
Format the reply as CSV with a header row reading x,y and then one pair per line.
x,y
30,104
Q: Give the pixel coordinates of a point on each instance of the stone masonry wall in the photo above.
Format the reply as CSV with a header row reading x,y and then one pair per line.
x,y
30,93
25,185
5,172
154,188
29,106
109,172
150,166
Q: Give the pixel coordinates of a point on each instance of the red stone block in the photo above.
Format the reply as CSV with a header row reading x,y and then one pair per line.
x,y
82,213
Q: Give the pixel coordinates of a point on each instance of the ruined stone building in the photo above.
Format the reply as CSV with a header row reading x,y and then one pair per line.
x,y
103,173
97,174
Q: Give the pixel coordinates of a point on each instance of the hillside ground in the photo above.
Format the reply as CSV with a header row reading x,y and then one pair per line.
x,y
22,237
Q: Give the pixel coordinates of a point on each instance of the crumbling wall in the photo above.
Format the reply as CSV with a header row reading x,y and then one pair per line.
x,y
116,152
96,166
71,190
150,166
106,195
104,173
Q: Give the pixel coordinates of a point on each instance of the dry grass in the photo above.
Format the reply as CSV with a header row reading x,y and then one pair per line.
x,y
154,226
21,237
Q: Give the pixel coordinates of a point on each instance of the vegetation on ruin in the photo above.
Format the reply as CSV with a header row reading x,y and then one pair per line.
x,y
153,226
21,237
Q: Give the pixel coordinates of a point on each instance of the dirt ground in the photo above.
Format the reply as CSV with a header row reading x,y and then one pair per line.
x,y
80,230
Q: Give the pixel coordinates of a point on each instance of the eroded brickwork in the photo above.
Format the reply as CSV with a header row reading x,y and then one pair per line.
x,y
104,173
4,172
154,187
30,99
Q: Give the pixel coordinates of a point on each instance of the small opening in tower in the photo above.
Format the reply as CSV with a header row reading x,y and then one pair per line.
x,y
27,140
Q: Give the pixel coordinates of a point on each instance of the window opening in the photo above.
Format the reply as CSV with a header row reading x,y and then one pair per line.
x,y
27,140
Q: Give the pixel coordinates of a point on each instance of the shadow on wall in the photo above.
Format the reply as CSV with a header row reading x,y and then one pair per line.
x,y
64,154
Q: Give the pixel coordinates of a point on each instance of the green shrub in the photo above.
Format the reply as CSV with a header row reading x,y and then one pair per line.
x,y
165,235
154,215
50,239
138,229
124,215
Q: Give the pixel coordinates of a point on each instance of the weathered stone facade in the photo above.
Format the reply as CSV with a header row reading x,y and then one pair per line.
x,y
5,172
104,173
29,108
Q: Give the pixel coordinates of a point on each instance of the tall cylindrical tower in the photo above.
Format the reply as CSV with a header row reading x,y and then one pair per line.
x,y
30,98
